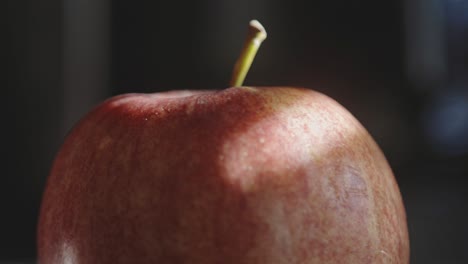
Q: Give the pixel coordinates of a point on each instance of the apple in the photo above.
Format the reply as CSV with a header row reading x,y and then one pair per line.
x,y
240,175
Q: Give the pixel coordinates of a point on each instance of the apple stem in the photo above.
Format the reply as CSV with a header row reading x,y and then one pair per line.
x,y
254,38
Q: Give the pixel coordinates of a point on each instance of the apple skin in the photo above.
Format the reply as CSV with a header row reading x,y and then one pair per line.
x,y
241,175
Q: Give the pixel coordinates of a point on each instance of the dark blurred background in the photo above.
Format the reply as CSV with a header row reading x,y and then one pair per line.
x,y
399,66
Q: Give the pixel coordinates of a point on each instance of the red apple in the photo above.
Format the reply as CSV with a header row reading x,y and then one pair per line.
x,y
241,175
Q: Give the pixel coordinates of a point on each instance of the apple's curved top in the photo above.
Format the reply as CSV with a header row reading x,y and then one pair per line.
x,y
245,174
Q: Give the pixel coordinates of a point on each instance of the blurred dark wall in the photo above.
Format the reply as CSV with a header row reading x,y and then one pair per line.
x,y
398,66
33,107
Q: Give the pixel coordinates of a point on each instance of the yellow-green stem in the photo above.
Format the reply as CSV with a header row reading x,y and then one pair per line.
x,y
255,37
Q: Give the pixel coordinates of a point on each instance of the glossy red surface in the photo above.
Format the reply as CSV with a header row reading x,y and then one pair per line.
x,y
242,175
